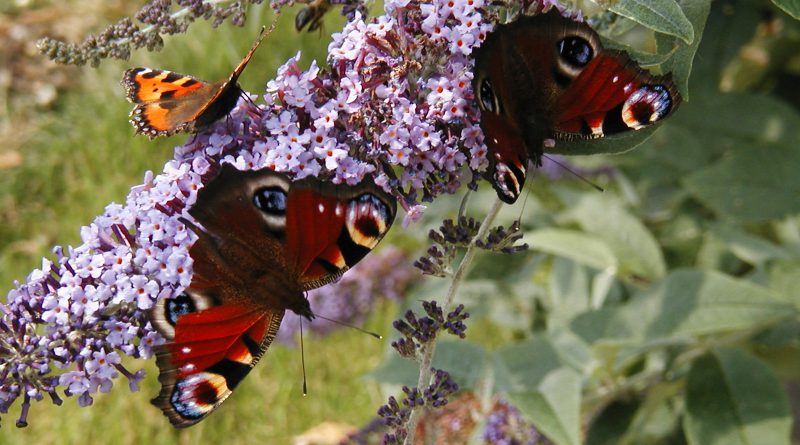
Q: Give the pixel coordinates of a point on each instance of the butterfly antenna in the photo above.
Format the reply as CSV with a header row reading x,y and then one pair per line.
x,y
348,325
303,358
524,203
577,175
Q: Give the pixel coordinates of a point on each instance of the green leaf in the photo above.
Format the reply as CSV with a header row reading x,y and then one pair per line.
x,y
618,143
731,27
734,398
725,119
747,247
568,292
680,65
577,246
632,243
523,366
465,361
752,185
784,278
554,408
791,7
664,16
686,303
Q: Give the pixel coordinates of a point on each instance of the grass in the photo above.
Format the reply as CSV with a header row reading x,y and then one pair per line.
x,y
84,156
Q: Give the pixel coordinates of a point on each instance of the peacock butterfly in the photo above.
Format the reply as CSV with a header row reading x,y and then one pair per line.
x,y
548,77
264,241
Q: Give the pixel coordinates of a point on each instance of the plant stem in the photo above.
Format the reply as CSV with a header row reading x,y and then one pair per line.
x,y
425,373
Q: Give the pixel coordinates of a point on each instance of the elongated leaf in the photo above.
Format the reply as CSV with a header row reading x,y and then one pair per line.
x,y
579,247
618,143
756,184
687,303
791,7
523,366
732,25
734,398
633,245
569,291
680,65
784,278
664,16
718,119
555,407
747,247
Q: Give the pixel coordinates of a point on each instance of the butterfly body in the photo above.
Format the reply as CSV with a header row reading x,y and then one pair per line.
x,y
167,102
264,241
548,77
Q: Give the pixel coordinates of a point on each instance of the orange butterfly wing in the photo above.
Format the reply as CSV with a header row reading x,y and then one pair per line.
x,y
168,102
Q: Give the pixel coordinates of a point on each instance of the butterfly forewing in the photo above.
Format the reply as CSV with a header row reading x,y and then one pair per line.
x,y
263,241
167,103
333,227
548,77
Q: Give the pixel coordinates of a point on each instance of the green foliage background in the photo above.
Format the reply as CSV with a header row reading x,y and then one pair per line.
x,y
662,311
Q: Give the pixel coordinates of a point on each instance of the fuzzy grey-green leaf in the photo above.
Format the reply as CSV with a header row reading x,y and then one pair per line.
x,y
664,16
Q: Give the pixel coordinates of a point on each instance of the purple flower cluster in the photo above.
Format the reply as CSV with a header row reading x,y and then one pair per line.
x,y
506,426
419,331
159,18
85,311
395,415
383,274
454,423
452,235
396,92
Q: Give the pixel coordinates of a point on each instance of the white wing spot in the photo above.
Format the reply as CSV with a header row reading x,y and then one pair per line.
x,y
186,349
321,208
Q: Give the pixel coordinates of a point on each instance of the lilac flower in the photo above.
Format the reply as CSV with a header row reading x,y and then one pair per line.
x,y
369,110
506,426
84,311
419,331
455,422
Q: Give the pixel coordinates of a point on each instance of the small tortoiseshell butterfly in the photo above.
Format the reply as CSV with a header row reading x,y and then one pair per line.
x,y
168,102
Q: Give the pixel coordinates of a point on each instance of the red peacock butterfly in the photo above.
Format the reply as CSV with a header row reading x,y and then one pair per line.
x,y
264,241
549,77
168,102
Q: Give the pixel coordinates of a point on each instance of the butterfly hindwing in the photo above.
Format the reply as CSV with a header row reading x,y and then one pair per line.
x,y
211,349
548,77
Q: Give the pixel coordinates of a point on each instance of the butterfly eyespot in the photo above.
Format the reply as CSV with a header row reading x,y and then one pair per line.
x,y
271,200
197,394
177,307
647,105
486,97
576,51
367,220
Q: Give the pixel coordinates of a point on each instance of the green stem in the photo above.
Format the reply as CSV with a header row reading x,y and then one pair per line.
x,y
425,373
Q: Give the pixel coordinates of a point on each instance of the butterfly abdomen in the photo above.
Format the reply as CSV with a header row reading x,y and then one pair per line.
x,y
218,107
